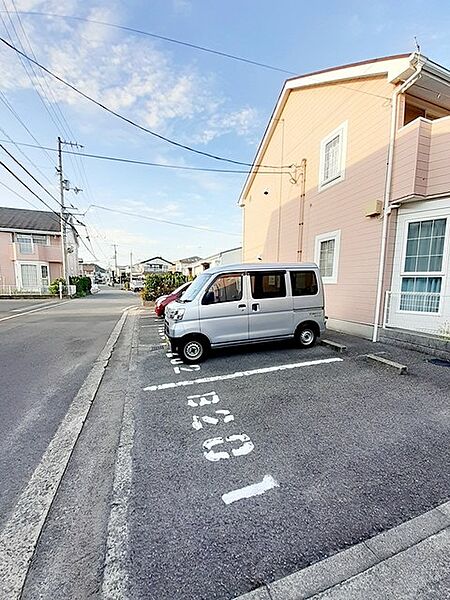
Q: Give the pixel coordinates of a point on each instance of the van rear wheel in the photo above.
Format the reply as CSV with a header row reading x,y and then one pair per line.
x,y
193,350
306,336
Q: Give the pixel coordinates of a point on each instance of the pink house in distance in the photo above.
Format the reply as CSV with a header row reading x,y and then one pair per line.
x,y
30,250
364,191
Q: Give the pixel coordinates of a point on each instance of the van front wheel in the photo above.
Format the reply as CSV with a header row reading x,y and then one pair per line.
x,y
193,350
306,336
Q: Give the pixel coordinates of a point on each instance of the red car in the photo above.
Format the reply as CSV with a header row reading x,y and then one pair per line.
x,y
163,301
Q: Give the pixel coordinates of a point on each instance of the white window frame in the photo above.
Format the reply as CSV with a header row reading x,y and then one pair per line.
x,y
340,131
325,237
442,274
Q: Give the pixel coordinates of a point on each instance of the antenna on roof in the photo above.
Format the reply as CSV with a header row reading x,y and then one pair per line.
x,y
417,45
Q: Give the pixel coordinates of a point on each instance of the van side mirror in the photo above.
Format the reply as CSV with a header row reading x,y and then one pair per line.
x,y
208,298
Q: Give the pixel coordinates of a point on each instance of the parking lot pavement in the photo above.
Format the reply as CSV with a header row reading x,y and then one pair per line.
x,y
247,471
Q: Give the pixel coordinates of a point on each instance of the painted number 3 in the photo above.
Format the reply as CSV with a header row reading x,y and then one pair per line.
x,y
212,453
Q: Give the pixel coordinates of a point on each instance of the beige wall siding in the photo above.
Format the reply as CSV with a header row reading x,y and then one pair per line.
x,y
439,162
422,159
308,117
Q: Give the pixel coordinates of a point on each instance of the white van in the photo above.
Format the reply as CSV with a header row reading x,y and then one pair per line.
x,y
247,303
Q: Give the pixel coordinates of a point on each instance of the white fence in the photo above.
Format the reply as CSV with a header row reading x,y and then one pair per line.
x,y
13,290
424,312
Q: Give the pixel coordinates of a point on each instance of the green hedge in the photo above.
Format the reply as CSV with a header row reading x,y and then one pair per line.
x,y
83,285
53,288
161,284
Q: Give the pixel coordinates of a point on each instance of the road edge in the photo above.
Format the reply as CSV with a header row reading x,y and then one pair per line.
x,y
353,561
20,535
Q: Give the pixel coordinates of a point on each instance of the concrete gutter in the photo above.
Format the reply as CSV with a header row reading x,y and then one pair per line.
x,y
348,565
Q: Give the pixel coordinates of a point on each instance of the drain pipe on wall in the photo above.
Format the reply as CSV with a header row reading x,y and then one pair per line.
x,y
387,193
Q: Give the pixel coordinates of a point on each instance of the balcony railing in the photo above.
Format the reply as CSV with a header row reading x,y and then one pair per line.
x,y
425,312
14,290
422,155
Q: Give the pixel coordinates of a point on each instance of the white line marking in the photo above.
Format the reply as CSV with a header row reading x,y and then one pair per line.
x,y
144,326
14,310
20,534
29,312
256,489
175,384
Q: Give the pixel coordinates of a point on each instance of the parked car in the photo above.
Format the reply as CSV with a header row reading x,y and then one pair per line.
x,y
247,303
137,284
163,301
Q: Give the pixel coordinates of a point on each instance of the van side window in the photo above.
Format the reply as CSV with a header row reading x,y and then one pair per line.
x,y
304,283
268,284
226,288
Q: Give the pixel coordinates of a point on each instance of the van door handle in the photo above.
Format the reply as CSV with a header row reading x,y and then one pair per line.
x,y
242,306
255,307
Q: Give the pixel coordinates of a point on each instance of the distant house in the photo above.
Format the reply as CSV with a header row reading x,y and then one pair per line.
x,y
92,270
226,257
187,265
31,250
157,264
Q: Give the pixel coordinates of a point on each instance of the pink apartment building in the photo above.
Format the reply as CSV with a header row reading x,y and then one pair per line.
x,y
364,191
30,250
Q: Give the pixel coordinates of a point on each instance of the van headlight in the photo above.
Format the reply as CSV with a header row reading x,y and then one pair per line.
x,y
177,314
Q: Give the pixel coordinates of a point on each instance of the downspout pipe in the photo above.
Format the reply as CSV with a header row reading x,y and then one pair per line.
x,y
387,193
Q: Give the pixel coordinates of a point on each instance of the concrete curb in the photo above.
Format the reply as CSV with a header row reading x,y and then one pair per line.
x,y
402,369
333,345
340,567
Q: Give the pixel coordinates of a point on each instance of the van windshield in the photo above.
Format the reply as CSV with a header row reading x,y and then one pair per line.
x,y
195,287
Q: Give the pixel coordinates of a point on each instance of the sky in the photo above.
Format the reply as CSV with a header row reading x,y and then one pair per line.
x,y
211,103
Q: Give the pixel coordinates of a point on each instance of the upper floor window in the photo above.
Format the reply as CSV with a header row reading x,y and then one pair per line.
x,y
26,241
332,157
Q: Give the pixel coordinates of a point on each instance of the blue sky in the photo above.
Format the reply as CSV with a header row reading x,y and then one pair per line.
x,y
215,104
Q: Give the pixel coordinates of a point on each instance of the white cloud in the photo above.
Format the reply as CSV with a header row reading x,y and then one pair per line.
x,y
129,74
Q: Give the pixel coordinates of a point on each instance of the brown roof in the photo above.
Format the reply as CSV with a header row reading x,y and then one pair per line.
x,y
30,220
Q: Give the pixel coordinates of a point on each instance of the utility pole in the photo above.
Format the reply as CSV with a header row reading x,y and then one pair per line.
x,y
64,186
115,261
62,217
131,267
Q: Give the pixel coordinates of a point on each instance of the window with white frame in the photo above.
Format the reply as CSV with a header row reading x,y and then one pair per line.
x,y
327,255
27,241
332,157
422,268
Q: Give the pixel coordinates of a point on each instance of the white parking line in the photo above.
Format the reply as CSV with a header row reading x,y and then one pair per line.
x,y
175,384
255,489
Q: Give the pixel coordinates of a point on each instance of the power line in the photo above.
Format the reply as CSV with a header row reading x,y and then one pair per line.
x,y
141,216
130,121
8,105
143,162
160,37
30,175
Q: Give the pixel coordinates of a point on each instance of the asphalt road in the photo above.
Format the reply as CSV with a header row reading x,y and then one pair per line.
x,y
45,356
